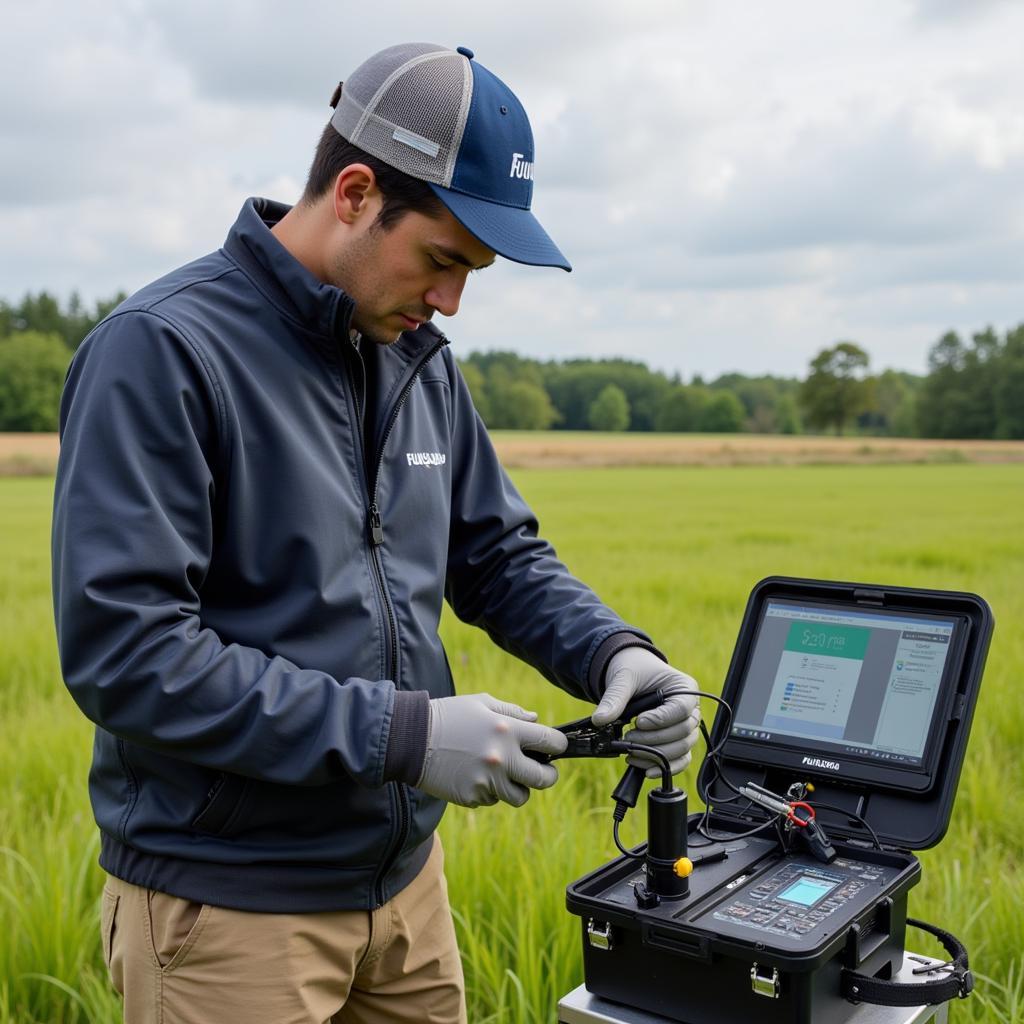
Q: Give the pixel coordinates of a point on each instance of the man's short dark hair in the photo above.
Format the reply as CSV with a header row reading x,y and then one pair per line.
x,y
402,193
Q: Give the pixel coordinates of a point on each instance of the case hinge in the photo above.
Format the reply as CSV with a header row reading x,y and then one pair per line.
x,y
764,984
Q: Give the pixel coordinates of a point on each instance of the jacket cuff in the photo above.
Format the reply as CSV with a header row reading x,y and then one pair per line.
x,y
407,737
608,649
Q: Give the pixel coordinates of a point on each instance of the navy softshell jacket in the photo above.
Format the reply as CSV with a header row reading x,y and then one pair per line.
x,y
248,580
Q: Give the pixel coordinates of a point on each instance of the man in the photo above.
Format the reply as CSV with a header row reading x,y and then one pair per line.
x,y
271,474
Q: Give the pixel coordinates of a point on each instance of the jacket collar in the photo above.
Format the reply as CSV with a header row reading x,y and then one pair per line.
x,y
296,292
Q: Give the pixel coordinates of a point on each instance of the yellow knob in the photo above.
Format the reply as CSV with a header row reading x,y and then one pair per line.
x,y
683,867
810,787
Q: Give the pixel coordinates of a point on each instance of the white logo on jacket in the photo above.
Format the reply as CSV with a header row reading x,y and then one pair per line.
x,y
426,458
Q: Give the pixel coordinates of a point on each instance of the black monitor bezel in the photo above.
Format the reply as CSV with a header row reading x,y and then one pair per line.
x,y
853,768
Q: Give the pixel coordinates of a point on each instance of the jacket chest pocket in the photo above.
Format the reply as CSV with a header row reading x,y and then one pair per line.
x,y
416,473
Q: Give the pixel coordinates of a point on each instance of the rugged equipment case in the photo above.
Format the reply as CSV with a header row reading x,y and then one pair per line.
x,y
665,961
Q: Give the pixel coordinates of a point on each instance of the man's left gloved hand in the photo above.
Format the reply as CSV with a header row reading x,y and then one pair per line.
x,y
671,726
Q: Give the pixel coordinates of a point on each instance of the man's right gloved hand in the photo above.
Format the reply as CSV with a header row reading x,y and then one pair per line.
x,y
475,751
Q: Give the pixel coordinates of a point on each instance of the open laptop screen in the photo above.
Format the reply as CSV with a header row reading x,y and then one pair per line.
x,y
847,681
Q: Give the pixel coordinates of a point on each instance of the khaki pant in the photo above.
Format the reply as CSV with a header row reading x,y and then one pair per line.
x,y
179,962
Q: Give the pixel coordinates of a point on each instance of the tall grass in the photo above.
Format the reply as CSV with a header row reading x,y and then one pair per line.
x,y
674,550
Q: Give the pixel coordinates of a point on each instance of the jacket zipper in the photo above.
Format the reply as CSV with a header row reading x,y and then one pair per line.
x,y
375,525
375,529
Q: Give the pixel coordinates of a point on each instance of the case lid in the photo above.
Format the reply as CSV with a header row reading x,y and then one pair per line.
x,y
865,691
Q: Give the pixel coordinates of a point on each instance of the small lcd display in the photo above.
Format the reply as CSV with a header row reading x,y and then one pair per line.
x,y
807,890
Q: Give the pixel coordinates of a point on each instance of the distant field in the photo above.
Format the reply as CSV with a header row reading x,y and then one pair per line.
x,y
563,449
28,454
674,550
36,454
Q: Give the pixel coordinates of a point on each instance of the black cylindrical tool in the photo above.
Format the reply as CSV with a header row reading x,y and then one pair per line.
x,y
666,844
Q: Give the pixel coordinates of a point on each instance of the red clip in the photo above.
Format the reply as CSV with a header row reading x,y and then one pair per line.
x,y
792,816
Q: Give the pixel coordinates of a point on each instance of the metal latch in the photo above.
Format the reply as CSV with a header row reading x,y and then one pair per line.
x,y
762,984
600,934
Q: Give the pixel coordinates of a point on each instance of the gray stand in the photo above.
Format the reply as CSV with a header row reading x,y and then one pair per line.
x,y
580,1007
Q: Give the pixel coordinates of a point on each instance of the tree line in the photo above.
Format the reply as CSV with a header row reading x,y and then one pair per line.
x,y
974,388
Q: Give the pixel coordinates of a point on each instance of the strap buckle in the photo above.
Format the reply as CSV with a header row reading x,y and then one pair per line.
x,y
966,980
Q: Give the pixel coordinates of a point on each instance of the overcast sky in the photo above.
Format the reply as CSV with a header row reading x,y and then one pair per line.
x,y
737,183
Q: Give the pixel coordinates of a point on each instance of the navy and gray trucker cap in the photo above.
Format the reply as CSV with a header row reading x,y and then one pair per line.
x,y
438,115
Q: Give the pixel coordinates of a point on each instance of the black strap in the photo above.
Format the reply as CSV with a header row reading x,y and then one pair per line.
x,y
956,984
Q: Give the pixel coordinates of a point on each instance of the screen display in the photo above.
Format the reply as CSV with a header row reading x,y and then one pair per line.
x,y
852,682
807,890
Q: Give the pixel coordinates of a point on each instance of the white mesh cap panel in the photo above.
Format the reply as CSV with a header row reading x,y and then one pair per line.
x,y
407,105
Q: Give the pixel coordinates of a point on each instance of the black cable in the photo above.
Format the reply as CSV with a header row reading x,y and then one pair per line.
x,y
623,850
716,769
665,765
627,746
712,755
703,728
784,837
849,814
701,828
711,752
716,774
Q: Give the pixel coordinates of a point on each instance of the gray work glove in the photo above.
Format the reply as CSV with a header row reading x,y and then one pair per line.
x,y
671,726
475,751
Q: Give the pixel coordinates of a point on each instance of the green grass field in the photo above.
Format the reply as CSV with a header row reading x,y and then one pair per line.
x,y
675,551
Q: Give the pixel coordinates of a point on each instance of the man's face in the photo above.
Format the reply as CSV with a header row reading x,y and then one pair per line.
x,y
400,276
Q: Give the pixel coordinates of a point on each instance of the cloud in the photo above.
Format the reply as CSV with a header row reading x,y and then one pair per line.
x,y
943,12
260,64
733,182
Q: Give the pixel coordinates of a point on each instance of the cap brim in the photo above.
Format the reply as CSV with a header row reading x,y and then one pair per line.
x,y
510,231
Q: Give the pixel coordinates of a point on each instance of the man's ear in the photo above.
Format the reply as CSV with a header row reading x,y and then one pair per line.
x,y
355,190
